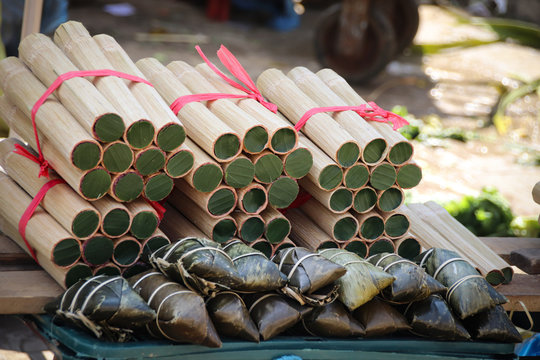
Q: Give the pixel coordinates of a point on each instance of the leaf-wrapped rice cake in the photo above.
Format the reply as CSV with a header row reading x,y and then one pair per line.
x,y
181,314
105,305
258,273
200,264
468,292
231,317
432,318
411,282
493,325
310,276
271,313
362,282
379,318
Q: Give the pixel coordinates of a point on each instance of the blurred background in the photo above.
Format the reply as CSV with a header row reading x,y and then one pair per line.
x,y
465,73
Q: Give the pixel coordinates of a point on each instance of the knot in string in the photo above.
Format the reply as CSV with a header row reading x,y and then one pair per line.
x,y
40,160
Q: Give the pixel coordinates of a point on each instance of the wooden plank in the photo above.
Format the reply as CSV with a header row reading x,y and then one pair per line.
x,y
503,246
12,256
523,287
527,260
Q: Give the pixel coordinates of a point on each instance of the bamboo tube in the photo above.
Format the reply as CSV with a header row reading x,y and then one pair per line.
x,y
252,199
342,227
116,218
283,137
328,244
203,127
127,251
282,192
284,244
263,246
77,272
536,192
408,246
108,269
365,200
206,174
268,167
250,227
337,201
278,226
382,176
145,219
324,171
335,141
390,199
408,175
400,149
43,233
149,161
217,203
396,225
372,143
135,269
126,186
170,131
75,214
52,120
97,250
305,232
176,226
424,233
117,157
357,246
220,230
356,177
253,134
154,242
179,163
381,245
297,163
91,185
83,51
157,186
91,109
371,226
239,172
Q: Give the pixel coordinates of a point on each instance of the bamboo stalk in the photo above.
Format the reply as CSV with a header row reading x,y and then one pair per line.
x,y
356,177
117,157
239,172
372,143
342,227
282,192
97,250
145,219
154,242
297,163
396,225
263,246
217,203
304,231
91,185
283,137
116,218
324,171
176,226
52,120
149,161
268,167
170,131
203,127
77,272
278,226
179,163
536,192
71,211
408,246
252,199
400,149
357,246
91,109
328,244
371,226
108,269
253,134
390,199
82,49
408,175
126,186
365,200
382,176
284,244
381,245
337,201
127,251
206,174
250,227
335,141
157,186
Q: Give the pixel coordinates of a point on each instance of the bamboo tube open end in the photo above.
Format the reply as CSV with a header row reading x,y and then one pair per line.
x,y
87,155
381,246
356,176
396,225
341,200
85,224
126,251
158,187
365,200
277,230
508,273
284,140
282,192
77,272
390,199
224,230
284,245
345,229
239,173
207,177
109,127
409,248
149,161
495,277
116,223
66,252
256,139
252,229
140,134
372,228
383,176
170,137
358,247
107,270
97,250
117,157
144,224
400,153
329,244
152,244
298,163
268,168
348,154
179,164
330,177
408,176
227,146
221,202
263,246
374,151
127,186
95,184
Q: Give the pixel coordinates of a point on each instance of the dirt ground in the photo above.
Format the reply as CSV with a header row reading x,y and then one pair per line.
x,y
451,85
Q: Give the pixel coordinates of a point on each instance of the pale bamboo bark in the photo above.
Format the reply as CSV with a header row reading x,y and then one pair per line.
x,y
200,159
176,226
325,197
304,231
341,227
203,199
322,166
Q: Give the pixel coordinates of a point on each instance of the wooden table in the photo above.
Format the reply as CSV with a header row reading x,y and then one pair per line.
x,y
25,288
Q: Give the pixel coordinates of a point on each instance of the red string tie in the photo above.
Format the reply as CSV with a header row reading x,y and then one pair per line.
x,y
158,207
302,198
43,164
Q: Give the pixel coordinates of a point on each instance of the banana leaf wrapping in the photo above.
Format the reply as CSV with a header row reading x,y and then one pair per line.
x,y
468,292
105,305
433,318
257,272
362,282
271,313
380,318
411,282
493,325
310,276
181,314
231,317
199,264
